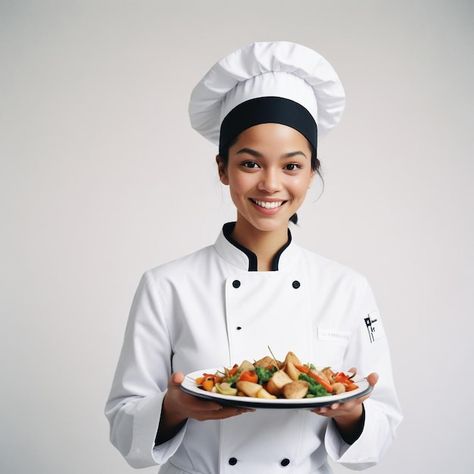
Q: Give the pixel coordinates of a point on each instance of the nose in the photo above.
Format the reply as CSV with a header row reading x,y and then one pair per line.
x,y
269,181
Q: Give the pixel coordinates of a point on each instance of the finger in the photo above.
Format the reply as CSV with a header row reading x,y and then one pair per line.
x,y
203,405
225,412
246,410
353,370
354,402
176,379
321,412
194,403
372,378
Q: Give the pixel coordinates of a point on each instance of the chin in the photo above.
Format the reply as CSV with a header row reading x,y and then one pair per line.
x,y
268,225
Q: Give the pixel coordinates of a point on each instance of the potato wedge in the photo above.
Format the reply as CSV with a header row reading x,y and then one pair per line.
x,y
262,393
329,374
338,388
292,371
249,388
296,389
291,357
266,361
279,379
246,365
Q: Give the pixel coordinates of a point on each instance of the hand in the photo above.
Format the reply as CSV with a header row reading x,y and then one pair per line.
x,y
346,414
178,405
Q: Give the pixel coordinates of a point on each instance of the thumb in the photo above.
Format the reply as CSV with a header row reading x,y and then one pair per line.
x,y
372,378
176,379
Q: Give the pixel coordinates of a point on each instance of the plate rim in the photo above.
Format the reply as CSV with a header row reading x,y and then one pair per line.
x,y
252,402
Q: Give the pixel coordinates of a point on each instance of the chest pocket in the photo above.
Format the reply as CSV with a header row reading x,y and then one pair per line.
x,y
330,346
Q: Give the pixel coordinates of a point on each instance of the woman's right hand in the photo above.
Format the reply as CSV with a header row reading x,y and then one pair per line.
x,y
178,405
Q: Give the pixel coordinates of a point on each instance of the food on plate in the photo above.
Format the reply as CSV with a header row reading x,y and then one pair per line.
x,y
277,381
251,389
295,389
271,379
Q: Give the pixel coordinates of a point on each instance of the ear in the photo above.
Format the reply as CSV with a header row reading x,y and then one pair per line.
x,y
222,170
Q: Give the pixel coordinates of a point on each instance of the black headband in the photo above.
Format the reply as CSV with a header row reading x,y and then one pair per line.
x,y
268,109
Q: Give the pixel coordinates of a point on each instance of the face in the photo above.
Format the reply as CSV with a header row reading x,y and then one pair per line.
x,y
268,173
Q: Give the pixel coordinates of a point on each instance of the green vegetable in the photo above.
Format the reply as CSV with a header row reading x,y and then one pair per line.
x,y
263,374
233,379
314,388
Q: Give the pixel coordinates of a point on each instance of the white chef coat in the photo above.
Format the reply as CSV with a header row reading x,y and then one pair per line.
x,y
213,309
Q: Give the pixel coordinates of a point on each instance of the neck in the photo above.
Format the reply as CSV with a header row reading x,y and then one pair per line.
x,y
264,244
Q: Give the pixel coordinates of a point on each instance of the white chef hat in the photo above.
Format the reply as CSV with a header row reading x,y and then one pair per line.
x,y
267,82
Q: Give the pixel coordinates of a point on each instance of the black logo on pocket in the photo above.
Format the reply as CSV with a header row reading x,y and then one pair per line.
x,y
370,325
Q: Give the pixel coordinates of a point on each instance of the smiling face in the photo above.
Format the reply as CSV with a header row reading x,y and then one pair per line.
x,y
268,173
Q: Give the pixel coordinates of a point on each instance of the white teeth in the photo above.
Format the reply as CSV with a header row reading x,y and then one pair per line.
x,y
268,205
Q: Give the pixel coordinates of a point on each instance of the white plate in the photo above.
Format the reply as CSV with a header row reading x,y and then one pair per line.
x,y
189,386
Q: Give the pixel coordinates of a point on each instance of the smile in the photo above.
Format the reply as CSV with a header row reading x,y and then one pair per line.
x,y
268,204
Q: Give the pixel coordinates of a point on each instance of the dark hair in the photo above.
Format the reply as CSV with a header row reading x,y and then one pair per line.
x,y
315,166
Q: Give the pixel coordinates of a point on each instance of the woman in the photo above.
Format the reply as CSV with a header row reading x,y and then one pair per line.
x,y
265,105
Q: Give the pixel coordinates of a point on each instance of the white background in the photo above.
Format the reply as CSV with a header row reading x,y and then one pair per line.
x,y
102,177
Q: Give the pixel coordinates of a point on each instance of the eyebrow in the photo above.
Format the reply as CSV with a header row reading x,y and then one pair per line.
x,y
257,154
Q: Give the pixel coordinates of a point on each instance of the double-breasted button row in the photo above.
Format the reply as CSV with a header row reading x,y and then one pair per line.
x,y
284,462
296,284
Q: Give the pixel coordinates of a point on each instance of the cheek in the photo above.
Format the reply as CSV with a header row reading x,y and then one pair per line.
x,y
240,184
299,186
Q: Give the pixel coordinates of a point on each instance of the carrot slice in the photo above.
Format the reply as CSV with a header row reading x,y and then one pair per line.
x,y
321,381
351,386
208,384
302,368
233,371
344,379
249,376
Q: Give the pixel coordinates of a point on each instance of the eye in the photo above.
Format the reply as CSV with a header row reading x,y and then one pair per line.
x,y
249,164
292,166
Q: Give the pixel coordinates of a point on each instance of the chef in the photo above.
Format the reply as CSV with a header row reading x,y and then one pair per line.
x,y
265,106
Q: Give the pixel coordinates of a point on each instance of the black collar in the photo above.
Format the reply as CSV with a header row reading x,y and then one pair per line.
x,y
227,229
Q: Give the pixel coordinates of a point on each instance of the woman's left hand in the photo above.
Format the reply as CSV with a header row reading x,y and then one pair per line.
x,y
347,413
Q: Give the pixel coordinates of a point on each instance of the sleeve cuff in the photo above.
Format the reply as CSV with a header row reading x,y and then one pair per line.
x,y
143,452
164,451
367,450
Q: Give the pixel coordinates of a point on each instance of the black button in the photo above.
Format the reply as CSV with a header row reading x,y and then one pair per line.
x,y
285,462
296,284
232,461
235,284
239,328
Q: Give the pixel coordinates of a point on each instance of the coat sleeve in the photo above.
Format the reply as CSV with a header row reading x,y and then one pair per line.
x,y
368,350
140,383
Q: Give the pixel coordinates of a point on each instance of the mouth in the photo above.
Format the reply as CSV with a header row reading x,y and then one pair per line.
x,y
268,204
